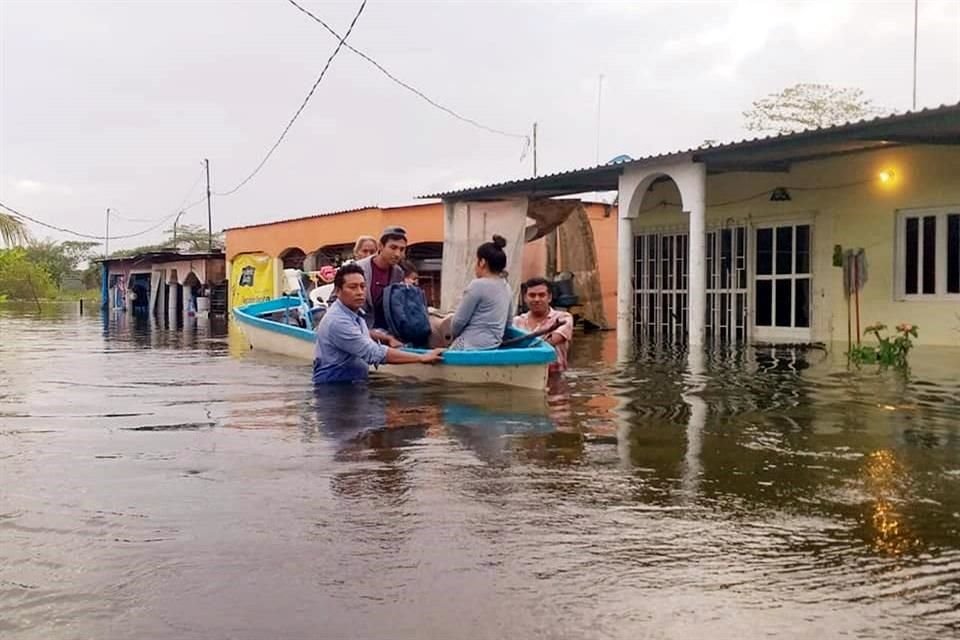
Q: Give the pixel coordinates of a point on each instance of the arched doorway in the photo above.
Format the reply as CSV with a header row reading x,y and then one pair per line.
x,y
192,289
293,258
662,276
427,257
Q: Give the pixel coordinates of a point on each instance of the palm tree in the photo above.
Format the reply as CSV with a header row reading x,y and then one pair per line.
x,y
12,230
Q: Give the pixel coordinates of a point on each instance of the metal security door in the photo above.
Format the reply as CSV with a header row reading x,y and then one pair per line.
x,y
660,293
727,292
660,276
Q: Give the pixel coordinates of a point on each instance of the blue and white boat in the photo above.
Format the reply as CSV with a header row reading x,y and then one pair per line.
x,y
273,326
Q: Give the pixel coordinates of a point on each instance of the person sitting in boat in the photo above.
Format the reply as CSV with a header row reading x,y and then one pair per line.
x,y
412,277
364,247
344,349
483,315
541,316
381,270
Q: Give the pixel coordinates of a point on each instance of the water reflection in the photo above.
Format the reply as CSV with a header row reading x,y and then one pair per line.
x,y
179,475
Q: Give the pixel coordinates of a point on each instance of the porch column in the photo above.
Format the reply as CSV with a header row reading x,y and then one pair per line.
x,y
187,292
174,292
695,202
625,295
161,302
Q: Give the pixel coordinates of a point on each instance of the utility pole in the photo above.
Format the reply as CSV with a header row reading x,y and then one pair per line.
x,y
599,96
106,237
209,215
916,13
175,221
534,149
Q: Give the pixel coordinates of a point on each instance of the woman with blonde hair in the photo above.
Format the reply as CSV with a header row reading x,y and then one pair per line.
x,y
364,247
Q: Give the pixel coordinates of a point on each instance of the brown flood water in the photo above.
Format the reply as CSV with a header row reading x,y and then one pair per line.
x,y
173,484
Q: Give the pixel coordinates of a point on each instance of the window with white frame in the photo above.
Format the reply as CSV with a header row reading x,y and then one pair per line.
x,y
928,254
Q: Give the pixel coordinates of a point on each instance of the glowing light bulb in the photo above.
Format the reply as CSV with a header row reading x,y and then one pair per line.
x,y
886,176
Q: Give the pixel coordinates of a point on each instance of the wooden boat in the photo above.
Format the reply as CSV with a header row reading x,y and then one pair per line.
x,y
269,326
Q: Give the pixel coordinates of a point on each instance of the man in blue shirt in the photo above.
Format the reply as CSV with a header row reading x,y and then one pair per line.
x,y
344,349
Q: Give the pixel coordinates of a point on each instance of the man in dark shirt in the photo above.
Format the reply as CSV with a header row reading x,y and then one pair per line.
x,y
380,270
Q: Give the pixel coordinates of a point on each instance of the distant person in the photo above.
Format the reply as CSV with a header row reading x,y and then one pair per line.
x,y
364,247
381,270
541,315
482,317
344,350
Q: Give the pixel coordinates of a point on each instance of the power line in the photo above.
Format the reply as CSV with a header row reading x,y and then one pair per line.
x,y
415,91
86,235
183,206
159,221
302,105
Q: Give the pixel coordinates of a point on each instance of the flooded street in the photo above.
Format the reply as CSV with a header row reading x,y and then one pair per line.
x,y
173,484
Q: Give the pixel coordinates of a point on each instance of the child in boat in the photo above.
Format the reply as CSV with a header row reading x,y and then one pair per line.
x,y
482,317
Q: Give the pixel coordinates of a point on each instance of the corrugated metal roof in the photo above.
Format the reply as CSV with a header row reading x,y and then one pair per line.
x,y
715,151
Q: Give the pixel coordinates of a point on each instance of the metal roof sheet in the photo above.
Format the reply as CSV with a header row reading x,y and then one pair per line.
x,y
604,176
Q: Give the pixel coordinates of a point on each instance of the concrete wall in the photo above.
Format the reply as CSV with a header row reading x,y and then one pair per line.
x,y
603,221
842,212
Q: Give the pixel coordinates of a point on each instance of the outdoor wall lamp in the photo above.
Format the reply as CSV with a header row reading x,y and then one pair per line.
x,y
886,176
780,194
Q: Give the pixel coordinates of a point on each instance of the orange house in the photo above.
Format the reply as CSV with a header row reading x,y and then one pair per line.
x,y
310,242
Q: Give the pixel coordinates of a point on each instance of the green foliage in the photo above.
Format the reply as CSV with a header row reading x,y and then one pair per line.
x,y
193,237
890,351
189,237
13,231
59,259
21,279
808,106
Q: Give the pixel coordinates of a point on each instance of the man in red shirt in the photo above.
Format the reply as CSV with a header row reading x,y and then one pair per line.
x,y
380,270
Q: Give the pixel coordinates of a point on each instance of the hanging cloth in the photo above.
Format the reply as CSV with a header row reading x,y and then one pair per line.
x,y
854,271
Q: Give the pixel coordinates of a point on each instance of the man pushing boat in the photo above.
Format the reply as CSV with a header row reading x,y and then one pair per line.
x,y
344,349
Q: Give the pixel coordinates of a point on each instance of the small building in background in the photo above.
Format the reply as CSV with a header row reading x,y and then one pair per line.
x,y
166,284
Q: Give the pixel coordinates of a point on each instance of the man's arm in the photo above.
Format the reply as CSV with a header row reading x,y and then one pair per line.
x,y
396,356
351,339
348,337
563,333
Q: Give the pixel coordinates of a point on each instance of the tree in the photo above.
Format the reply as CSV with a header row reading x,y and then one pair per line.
x,y
12,230
21,279
808,106
59,259
193,237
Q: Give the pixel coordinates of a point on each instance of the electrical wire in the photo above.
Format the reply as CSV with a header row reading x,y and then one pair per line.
x,y
159,221
116,214
88,236
302,105
412,89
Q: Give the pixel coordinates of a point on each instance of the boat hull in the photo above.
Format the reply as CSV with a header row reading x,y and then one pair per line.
x,y
525,368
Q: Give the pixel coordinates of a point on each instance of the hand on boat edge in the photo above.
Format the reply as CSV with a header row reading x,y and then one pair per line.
x,y
434,356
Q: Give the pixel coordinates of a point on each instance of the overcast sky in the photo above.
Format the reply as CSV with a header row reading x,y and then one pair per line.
x,y
115,104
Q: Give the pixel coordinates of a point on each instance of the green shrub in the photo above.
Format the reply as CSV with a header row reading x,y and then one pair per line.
x,y
890,350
